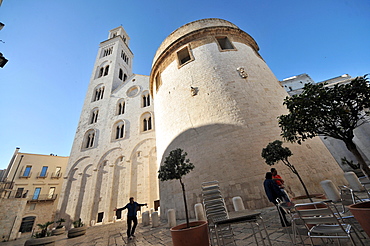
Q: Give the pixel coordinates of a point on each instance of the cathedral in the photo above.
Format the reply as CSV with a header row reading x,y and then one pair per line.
x,y
210,93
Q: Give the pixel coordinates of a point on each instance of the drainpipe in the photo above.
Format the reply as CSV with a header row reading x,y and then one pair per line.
x,y
10,233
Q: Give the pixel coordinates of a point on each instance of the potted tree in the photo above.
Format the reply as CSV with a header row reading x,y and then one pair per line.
x,y
275,152
60,228
78,230
42,237
191,233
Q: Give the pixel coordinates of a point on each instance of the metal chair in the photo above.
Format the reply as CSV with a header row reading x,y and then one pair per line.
x,y
215,209
321,222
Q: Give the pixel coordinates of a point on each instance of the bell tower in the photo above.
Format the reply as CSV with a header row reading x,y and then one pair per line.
x,y
113,156
114,59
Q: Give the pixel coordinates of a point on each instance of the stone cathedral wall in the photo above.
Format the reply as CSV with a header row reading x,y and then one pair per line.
x,y
226,123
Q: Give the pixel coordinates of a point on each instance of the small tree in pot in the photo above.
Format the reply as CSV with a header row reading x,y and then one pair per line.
x,y
78,230
195,233
59,229
275,152
175,166
43,237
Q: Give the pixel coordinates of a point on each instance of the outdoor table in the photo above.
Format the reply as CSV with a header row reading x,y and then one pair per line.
x,y
243,216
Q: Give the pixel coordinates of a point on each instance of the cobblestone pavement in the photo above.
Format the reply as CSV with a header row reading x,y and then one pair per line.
x,y
114,234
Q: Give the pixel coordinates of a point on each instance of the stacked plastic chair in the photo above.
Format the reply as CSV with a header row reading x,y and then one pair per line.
x,y
215,209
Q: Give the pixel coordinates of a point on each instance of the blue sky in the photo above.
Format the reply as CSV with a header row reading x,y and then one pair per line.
x,y
52,45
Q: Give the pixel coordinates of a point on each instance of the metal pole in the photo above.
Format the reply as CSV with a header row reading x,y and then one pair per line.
x,y
12,228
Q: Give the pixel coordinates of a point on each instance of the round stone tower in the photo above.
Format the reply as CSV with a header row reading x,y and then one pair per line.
x,y
215,97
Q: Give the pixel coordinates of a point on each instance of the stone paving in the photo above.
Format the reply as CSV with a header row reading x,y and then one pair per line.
x,y
114,234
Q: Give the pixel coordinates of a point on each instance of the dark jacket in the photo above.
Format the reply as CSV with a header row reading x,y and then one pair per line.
x,y
272,190
132,208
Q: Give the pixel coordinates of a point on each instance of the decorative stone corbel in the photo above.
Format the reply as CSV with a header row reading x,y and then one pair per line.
x,y
242,72
194,90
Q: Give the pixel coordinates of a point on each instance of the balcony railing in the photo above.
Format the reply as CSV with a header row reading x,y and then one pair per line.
x,y
42,175
43,197
6,185
56,175
8,194
25,177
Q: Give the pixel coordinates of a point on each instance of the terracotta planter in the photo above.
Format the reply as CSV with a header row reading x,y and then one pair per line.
x,y
197,234
58,231
361,211
76,232
41,241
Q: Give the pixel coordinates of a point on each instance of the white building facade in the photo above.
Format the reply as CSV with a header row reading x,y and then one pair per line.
x,y
113,156
216,98
213,96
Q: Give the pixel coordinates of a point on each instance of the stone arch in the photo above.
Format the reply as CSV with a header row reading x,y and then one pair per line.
x,y
118,130
143,183
102,173
100,69
82,197
146,122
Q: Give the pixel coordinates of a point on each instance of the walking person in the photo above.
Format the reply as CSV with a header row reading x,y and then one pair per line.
x,y
132,208
273,192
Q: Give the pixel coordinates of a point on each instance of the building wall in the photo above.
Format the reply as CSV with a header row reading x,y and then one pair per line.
x,y
294,84
11,211
104,176
224,127
24,202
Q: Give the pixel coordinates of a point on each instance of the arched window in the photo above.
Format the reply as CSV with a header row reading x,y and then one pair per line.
x,y
108,51
119,130
146,122
101,71
98,93
94,116
124,77
120,107
120,75
27,224
145,100
89,139
158,81
106,70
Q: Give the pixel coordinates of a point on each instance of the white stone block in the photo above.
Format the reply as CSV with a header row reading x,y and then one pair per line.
x,y
171,217
155,219
331,191
145,218
199,212
238,203
353,181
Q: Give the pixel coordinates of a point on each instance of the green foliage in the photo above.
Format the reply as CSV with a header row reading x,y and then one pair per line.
x,y
275,152
44,228
328,111
77,223
60,221
175,166
350,163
